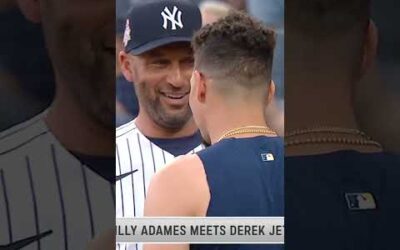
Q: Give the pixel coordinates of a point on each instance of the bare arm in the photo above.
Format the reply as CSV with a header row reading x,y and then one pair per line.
x,y
180,189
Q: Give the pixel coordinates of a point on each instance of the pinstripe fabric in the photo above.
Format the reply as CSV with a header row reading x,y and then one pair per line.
x,y
135,152
43,187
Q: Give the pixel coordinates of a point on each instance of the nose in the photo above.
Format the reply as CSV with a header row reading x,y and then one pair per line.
x,y
177,77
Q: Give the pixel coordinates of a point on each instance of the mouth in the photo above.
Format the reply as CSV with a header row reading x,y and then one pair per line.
x,y
175,96
175,99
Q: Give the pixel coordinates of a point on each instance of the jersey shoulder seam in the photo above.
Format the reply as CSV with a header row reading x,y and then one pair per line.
x,y
20,127
126,129
22,134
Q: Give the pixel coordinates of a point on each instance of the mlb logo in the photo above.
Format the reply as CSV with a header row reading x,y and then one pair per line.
x,y
267,157
360,201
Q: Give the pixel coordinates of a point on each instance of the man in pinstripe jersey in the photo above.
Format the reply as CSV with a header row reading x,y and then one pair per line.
x,y
158,58
57,172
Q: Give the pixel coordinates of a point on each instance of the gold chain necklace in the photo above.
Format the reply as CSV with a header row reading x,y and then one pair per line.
x,y
248,130
325,129
332,131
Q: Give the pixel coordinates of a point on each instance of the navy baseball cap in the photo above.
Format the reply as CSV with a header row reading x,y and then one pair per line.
x,y
154,23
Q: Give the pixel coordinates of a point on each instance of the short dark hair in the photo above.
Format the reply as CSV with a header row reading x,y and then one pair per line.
x,y
327,33
235,47
326,18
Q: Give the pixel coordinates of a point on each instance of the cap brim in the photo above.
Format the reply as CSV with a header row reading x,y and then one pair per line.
x,y
158,43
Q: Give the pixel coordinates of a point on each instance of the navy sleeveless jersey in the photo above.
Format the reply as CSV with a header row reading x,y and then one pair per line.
x,y
245,177
323,210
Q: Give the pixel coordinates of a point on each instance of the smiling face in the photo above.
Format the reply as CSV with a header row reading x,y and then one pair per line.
x,y
162,83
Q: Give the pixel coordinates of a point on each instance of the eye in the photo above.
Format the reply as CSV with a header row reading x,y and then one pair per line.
x,y
188,61
160,62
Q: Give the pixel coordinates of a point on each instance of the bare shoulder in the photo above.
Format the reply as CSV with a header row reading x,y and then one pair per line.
x,y
180,189
187,166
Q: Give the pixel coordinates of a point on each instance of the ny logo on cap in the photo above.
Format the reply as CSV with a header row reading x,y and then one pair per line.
x,y
175,17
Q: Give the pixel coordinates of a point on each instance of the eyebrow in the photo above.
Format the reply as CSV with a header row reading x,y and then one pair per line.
x,y
155,53
158,53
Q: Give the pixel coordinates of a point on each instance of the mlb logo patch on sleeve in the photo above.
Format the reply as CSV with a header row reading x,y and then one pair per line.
x,y
360,201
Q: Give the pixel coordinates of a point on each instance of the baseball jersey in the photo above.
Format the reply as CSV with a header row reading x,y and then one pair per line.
x,y
137,160
342,200
245,178
48,198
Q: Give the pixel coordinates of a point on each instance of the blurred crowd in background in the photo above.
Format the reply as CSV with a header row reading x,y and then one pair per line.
x,y
271,12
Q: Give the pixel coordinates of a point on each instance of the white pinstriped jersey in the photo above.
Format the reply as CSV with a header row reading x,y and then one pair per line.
x,y
137,159
45,188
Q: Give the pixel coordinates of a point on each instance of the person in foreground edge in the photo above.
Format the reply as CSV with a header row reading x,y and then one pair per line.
x,y
230,87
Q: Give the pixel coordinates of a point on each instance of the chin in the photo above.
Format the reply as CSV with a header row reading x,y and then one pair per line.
x,y
178,116
173,123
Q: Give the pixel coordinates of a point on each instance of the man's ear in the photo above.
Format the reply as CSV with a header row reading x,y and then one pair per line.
x,y
126,67
200,85
271,92
30,9
370,47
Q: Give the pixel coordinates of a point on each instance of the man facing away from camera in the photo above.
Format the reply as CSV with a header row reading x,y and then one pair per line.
x,y
241,173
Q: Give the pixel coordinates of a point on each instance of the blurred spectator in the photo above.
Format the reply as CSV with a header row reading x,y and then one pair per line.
x,y
212,10
127,107
269,11
237,4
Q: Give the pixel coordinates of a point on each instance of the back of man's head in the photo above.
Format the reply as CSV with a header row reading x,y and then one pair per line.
x,y
328,33
235,51
326,18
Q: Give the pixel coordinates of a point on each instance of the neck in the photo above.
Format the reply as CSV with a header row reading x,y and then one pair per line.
x,y
150,129
75,130
318,102
223,119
